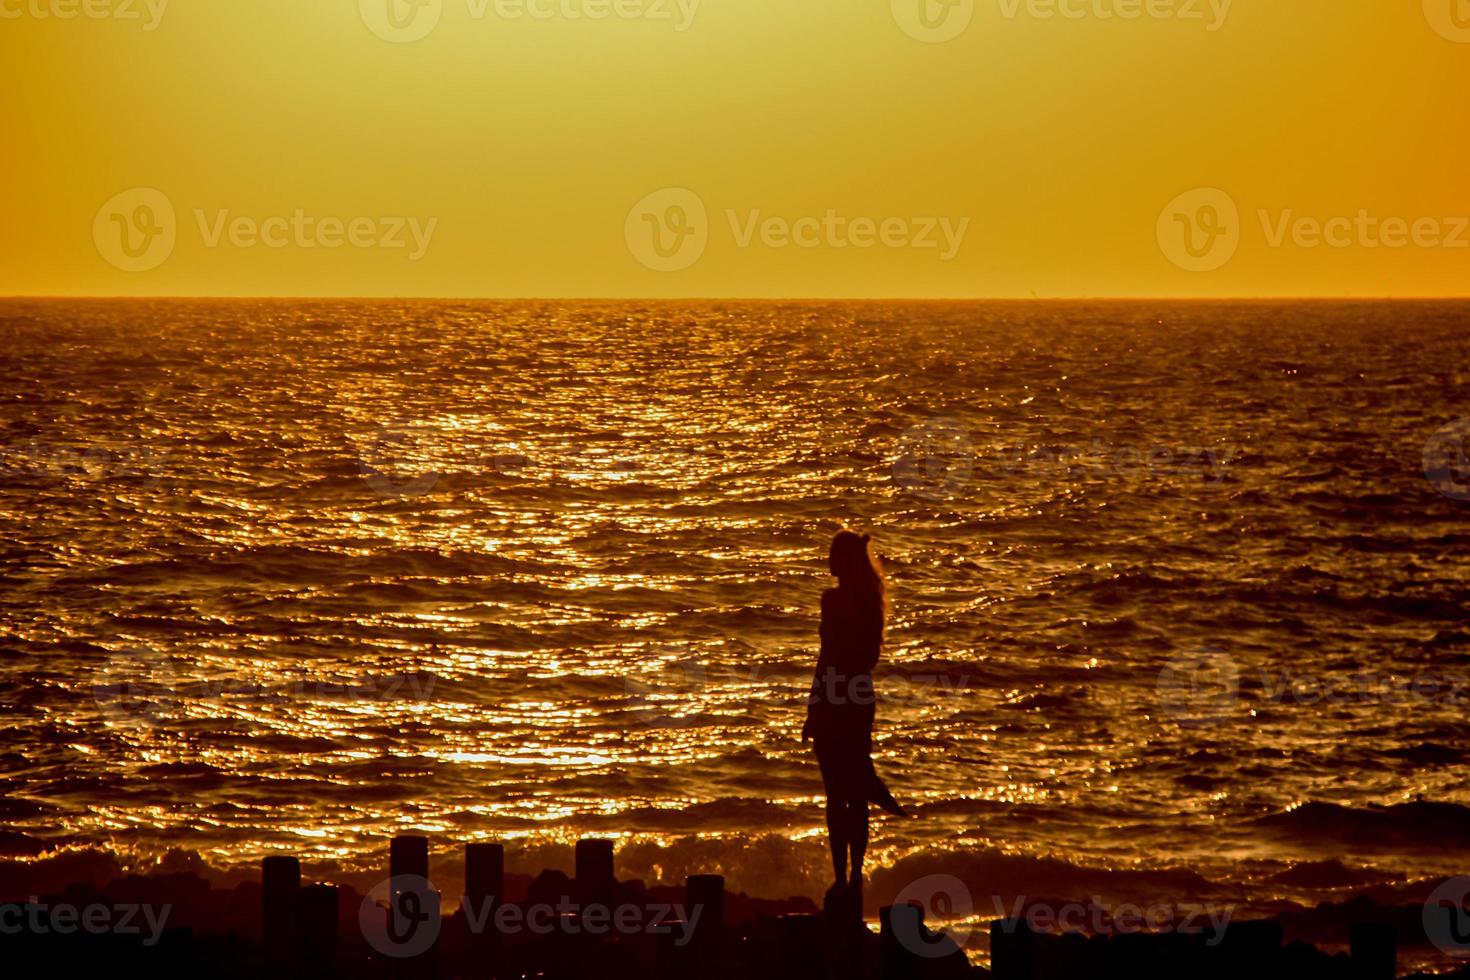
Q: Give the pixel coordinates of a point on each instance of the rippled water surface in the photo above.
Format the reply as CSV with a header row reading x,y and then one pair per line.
x,y
284,575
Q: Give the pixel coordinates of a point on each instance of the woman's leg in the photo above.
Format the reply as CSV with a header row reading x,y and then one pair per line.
x,y
838,835
858,839
858,803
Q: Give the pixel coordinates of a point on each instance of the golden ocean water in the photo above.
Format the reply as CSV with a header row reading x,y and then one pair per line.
x,y
1177,608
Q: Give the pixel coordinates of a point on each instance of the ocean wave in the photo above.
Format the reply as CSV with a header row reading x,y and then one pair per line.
x,y
1444,827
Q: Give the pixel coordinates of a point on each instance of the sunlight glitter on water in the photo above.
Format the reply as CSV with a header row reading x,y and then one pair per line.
x,y
530,571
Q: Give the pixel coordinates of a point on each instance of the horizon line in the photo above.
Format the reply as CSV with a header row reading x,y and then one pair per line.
x,y
1268,298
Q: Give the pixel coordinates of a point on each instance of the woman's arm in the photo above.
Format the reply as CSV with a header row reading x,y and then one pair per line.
x,y
825,632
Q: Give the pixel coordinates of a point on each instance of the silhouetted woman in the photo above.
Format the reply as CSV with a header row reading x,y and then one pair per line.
x,y
842,704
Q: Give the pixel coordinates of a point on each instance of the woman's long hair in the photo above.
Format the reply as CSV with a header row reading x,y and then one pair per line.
x,y
857,568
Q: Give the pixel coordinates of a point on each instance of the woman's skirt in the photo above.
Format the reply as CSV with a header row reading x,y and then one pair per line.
x,y
846,758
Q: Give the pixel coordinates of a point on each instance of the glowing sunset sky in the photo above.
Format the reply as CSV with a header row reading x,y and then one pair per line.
x,y
987,148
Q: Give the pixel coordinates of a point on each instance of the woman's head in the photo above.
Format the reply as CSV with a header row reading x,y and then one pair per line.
x,y
856,566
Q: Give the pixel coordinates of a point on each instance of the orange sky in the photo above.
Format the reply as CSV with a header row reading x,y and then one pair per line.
x,y
888,148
